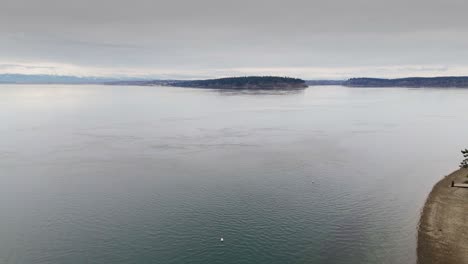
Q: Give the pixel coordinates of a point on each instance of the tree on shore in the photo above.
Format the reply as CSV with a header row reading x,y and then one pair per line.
x,y
464,163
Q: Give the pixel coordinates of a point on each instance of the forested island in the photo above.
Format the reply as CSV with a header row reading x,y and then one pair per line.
x,y
251,82
414,82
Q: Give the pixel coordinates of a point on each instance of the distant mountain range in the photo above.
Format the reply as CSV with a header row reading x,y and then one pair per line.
x,y
324,82
49,79
240,82
144,82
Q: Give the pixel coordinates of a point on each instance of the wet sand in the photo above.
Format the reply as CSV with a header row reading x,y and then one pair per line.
x,y
443,227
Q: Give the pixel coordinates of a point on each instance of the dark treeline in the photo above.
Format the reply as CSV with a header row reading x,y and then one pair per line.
x,y
458,82
250,82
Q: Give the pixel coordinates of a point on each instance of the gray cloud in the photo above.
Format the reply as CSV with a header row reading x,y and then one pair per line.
x,y
208,34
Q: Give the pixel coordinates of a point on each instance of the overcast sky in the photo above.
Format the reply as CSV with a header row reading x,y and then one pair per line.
x,y
209,38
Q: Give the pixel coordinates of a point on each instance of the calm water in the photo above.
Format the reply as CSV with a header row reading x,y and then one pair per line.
x,y
100,174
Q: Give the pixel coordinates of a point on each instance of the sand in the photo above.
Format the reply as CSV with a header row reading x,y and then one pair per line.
x,y
443,227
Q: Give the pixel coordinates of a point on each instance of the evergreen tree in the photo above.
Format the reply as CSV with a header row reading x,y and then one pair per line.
x,y
464,163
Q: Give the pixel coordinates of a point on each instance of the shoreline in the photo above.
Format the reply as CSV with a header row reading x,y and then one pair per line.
x,y
443,226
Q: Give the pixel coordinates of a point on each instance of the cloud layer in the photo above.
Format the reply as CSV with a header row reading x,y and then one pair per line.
x,y
313,39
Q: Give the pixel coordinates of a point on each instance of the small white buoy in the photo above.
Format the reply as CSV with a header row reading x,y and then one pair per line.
x,y
222,239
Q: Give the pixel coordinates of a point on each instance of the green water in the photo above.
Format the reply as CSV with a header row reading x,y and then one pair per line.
x,y
109,174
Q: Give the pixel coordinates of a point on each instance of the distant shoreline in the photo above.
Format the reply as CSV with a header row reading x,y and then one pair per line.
x,y
413,82
247,82
443,227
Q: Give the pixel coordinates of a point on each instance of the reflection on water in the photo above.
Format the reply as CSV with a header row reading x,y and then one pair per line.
x,y
108,174
240,92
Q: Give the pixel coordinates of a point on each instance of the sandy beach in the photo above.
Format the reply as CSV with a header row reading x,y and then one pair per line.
x,y
443,227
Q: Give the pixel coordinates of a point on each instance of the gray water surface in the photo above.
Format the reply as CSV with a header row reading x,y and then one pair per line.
x,y
115,174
